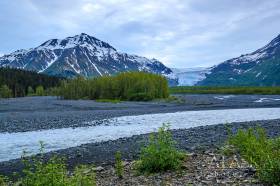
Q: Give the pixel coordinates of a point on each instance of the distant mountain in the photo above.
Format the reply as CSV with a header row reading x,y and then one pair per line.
x,y
260,68
81,55
190,76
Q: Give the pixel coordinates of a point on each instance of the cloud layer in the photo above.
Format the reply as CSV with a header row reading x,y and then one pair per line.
x,y
181,33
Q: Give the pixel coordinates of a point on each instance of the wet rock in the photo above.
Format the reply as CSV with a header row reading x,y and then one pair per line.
x,y
98,169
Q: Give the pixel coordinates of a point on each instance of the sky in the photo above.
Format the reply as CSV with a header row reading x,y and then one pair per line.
x,y
180,33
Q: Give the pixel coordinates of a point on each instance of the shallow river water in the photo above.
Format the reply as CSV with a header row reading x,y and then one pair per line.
x,y
13,144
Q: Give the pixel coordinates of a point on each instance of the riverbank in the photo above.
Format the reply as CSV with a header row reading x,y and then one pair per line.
x,y
198,140
41,113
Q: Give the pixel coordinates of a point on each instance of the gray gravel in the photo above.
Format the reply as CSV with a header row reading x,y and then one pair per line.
x,y
37,113
191,140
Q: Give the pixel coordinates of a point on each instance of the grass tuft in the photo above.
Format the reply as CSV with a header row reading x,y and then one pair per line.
x,y
119,165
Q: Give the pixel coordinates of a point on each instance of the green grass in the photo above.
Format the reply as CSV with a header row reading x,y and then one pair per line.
x,y
160,154
223,90
108,100
261,152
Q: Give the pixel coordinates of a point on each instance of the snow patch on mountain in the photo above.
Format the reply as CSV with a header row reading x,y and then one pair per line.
x,y
81,55
259,68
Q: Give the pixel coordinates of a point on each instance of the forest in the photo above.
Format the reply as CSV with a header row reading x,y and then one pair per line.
x,y
19,83
132,86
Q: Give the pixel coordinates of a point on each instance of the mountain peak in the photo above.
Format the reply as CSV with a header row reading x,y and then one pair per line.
x,y
82,55
83,39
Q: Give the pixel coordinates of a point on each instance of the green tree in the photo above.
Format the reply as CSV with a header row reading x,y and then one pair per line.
x,y
5,92
134,86
30,91
40,90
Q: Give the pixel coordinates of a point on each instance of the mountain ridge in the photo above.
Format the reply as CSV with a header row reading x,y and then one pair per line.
x,y
259,68
81,55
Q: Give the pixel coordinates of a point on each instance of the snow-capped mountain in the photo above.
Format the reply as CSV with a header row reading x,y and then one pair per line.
x,y
260,68
190,76
81,55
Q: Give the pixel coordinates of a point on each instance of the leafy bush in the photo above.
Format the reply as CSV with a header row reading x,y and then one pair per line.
x,y
136,86
119,165
3,181
5,92
30,91
263,153
141,96
40,90
160,154
53,172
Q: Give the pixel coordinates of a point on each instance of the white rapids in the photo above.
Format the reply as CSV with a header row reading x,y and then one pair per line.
x,y
13,144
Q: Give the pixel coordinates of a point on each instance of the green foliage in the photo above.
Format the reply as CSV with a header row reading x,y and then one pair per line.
x,y
19,80
223,90
160,154
3,181
80,178
134,86
30,91
5,92
108,100
261,152
40,91
119,164
53,172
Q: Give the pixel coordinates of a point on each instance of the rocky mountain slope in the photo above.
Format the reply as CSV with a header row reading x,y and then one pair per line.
x,y
81,55
260,68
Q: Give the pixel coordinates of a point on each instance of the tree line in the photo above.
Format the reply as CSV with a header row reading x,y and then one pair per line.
x,y
18,83
133,86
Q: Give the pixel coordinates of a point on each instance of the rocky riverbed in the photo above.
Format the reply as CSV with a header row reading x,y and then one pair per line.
x,y
198,139
39,113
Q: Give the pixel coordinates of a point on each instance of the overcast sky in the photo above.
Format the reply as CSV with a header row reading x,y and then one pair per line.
x,y
180,33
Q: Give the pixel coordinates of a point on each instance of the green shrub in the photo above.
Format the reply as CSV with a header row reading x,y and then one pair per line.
x,y
53,172
160,154
135,86
30,91
119,165
5,92
3,181
263,153
141,96
40,91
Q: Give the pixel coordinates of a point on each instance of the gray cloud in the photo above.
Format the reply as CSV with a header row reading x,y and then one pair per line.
x,y
181,33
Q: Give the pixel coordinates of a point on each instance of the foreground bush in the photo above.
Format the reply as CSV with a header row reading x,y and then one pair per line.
x,y
119,168
160,154
133,86
263,153
53,172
